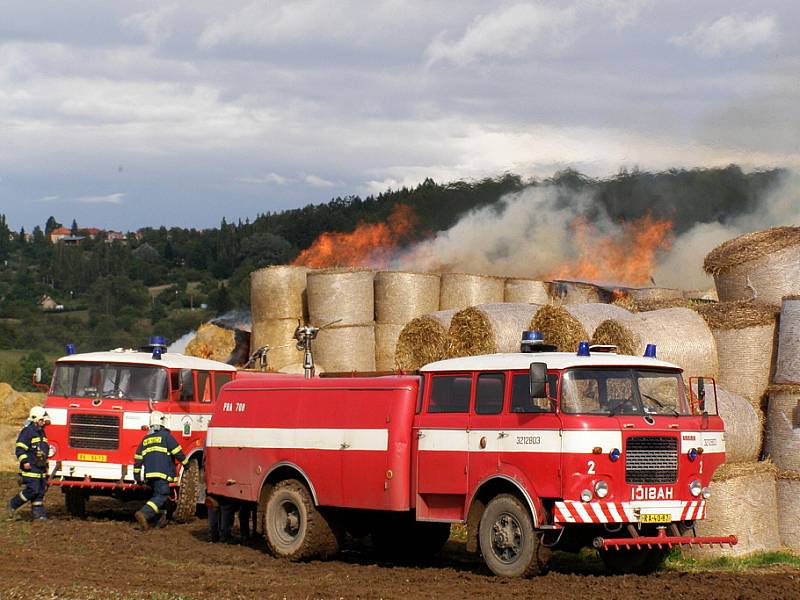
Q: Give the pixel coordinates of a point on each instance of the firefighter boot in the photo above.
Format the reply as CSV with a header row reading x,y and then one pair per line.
x,y
37,508
141,519
162,521
13,505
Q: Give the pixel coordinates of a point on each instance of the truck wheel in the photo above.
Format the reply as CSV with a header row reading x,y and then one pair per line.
x,y
639,562
188,493
75,502
508,541
293,527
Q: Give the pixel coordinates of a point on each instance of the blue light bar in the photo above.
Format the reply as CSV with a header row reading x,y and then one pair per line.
x,y
532,336
157,353
583,349
650,351
70,348
157,340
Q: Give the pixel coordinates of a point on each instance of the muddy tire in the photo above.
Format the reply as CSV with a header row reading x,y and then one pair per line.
x,y
508,541
75,502
188,493
293,527
633,562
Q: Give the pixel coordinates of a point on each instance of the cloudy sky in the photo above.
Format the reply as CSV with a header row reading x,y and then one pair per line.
x,y
133,114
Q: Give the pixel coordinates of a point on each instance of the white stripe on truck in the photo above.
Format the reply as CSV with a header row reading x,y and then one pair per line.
x,y
302,439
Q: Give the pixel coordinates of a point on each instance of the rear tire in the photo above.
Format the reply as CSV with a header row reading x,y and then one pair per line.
x,y
75,502
188,493
293,527
508,541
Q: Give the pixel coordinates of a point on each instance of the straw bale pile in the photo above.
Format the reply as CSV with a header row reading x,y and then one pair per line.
x,y
230,346
709,295
655,293
346,348
681,335
386,336
646,305
278,334
526,291
565,326
789,508
400,296
278,292
744,427
787,362
576,292
763,266
14,409
744,503
462,290
341,294
782,438
745,336
423,340
489,328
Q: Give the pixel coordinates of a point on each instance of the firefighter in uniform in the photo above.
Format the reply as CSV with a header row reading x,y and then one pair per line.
x,y
32,451
154,464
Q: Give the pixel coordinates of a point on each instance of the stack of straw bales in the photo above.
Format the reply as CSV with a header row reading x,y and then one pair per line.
x,y
566,326
527,291
631,304
346,296
763,266
789,508
782,439
681,335
576,292
462,290
654,293
277,303
423,340
399,298
745,337
744,426
744,503
488,328
787,363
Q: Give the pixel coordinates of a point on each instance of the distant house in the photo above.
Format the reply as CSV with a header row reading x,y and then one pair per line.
x,y
72,240
115,236
90,232
47,303
58,234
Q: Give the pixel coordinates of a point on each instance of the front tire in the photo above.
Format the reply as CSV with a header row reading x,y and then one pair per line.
x,y
293,527
508,541
188,493
75,502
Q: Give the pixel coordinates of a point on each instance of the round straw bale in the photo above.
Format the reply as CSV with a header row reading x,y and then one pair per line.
x,y
744,503
680,334
744,427
565,326
655,293
386,335
423,340
462,290
400,296
218,343
787,361
745,336
789,508
763,266
345,295
489,328
346,348
278,292
782,438
530,291
646,305
278,334
576,292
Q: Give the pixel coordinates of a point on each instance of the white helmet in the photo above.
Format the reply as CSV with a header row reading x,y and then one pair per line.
x,y
157,419
38,413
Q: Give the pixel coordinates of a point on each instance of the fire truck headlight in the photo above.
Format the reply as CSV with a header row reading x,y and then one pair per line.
x,y
586,495
696,487
706,493
601,489
52,451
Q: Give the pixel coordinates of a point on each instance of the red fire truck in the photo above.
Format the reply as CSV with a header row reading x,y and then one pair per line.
x,y
99,404
532,451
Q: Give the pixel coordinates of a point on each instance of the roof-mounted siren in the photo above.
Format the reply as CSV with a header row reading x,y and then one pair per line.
x,y
583,349
650,351
70,349
533,341
157,345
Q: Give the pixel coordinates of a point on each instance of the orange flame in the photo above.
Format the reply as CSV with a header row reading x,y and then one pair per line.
x,y
627,257
369,244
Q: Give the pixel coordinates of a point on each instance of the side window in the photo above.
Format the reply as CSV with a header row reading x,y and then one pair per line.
x,y
450,394
204,386
220,379
521,401
187,379
489,393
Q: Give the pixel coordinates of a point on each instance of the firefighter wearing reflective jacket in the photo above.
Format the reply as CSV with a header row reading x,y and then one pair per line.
x,y
32,451
155,465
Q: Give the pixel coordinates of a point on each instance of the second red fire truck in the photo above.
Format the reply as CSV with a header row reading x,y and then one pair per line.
x,y
534,450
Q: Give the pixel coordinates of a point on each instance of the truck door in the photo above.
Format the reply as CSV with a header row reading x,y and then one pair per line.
x,y
531,434
485,427
442,446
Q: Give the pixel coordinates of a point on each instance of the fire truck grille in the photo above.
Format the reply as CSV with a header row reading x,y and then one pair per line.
x,y
651,460
97,432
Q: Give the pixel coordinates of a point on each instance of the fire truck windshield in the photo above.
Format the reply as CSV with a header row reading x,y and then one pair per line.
x,y
110,380
623,391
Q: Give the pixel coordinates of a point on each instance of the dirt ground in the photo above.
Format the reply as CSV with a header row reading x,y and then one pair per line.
x,y
105,557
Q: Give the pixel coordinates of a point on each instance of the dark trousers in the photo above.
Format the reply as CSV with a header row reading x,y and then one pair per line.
x,y
160,497
33,492
220,521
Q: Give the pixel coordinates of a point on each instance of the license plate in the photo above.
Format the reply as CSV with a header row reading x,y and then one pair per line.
x,y
93,457
655,518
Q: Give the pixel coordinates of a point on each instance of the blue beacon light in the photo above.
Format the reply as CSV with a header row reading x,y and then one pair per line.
x,y
583,349
70,348
614,455
650,351
157,353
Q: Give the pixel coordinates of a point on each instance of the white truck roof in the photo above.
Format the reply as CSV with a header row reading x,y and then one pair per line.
x,y
135,357
554,360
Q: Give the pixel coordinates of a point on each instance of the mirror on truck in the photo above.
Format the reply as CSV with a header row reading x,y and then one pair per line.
x,y
701,394
37,375
538,380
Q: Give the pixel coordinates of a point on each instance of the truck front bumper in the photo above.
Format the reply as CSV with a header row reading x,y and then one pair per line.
x,y
661,540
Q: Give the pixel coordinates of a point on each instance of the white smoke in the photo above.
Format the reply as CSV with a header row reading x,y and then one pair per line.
x,y
179,345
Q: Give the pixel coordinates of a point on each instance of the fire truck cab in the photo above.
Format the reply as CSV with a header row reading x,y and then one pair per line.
x,y
99,405
532,450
